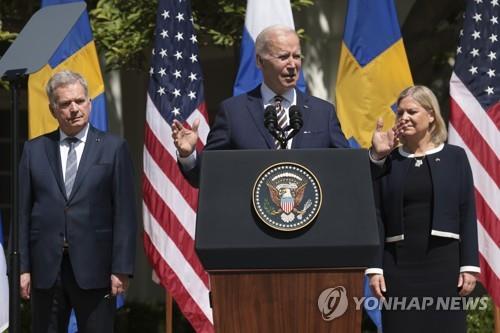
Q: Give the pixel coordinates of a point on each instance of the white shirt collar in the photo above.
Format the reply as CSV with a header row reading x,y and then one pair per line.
x,y
82,135
268,95
428,152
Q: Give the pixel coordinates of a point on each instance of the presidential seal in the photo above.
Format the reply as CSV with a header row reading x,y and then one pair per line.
x,y
287,196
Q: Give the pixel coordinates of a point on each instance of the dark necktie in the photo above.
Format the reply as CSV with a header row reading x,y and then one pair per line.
x,y
71,165
281,114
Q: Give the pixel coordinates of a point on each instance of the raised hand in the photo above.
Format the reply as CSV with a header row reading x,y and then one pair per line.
x,y
184,138
383,142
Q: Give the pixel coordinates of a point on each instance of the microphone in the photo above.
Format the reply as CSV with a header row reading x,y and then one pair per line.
x,y
296,121
271,123
271,119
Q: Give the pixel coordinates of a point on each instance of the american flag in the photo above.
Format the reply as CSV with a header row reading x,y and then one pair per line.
x,y
169,202
474,125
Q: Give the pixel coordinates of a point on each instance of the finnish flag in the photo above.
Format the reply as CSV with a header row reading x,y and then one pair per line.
x,y
260,14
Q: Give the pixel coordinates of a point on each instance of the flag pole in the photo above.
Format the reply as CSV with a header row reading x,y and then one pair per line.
x,y
168,313
14,77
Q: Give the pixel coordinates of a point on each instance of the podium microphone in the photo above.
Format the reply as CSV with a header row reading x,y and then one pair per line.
x,y
296,121
271,123
271,120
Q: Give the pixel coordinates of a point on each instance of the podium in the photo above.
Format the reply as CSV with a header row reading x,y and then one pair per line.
x,y
268,280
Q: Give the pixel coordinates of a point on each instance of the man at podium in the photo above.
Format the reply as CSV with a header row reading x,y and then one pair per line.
x,y
241,122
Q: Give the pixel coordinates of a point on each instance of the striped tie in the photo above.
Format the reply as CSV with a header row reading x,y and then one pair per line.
x,y
281,114
71,165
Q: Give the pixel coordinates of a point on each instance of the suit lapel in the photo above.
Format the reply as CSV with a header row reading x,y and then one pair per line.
x,y
302,103
256,110
54,157
89,156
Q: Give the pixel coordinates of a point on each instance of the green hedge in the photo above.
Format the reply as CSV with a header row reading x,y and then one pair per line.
x,y
481,321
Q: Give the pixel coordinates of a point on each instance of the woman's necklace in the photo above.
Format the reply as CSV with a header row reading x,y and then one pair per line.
x,y
419,160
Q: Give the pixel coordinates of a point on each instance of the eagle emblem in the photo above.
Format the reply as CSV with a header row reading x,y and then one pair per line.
x,y
287,196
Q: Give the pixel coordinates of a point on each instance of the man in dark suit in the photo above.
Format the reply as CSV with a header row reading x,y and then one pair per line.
x,y
77,216
239,124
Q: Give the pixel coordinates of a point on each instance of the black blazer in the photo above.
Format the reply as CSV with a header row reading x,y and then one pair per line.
x,y
453,214
99,216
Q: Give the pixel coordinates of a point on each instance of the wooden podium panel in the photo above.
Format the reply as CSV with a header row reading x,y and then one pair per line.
x,y
282,300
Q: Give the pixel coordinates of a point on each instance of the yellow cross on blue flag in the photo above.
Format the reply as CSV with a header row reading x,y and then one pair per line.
x,y
373,69
77,52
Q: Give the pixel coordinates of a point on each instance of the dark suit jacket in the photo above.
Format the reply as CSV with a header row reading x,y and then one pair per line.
x,y
239,124
453,214
99,216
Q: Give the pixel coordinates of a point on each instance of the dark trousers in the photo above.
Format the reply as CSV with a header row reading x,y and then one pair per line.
x,y
51,308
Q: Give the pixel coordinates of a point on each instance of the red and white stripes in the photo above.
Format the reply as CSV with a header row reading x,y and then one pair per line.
x,y
477,131
169,214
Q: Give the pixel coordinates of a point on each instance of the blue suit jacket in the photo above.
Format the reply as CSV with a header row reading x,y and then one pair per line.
x,y
453,209
99,216
239,124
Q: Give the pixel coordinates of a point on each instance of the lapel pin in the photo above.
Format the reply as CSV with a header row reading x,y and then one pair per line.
x,y
306,106
438,159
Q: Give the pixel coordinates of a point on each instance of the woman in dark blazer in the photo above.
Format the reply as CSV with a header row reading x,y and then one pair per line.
x,y
427,223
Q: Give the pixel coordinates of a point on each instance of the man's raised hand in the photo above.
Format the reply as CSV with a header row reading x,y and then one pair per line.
x,y
184,138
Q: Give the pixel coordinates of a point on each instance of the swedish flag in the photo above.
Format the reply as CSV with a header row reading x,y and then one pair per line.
x,y
77,52
373,69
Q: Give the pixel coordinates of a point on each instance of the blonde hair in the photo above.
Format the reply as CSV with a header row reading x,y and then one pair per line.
x,y
426,98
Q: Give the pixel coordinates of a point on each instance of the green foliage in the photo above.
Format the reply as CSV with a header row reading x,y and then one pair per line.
x,y
124,29
5,37
221,22
480,321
